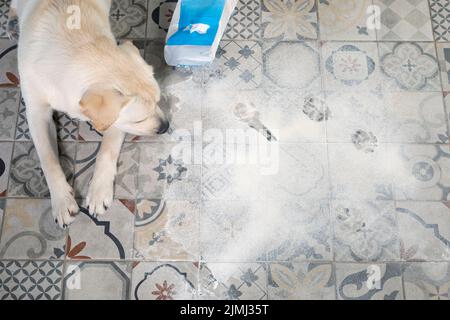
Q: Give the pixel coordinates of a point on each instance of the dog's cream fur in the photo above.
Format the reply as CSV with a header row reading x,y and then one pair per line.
x,y
84,73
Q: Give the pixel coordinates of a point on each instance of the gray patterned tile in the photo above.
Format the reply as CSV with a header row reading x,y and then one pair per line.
x,y
6,149
350,66
299,229
109,236
422,172
164,281
292,65
9,107
409,66
440,9
404,20
97,280
9,74
301,281
245,23
167,230
415,117
66,127
125,184
424,230
26,176
427,281
129,18
29,231
362,170
4,12
443,52
168,171
369,281
365,231
232,281
240,63
232,231
356,114
30,280
160,14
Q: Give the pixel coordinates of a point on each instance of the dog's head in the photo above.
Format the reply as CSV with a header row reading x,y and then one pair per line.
x,y
130,105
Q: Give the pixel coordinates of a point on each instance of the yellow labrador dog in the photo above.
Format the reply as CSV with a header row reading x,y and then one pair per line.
x,y
69,61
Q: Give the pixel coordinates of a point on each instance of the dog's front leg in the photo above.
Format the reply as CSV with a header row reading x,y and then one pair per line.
x,y
43,132
101,190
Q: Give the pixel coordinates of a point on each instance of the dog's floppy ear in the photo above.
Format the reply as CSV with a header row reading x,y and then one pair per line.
x,y
102,106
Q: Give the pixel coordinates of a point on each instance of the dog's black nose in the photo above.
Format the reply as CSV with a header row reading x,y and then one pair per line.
x,y
164,127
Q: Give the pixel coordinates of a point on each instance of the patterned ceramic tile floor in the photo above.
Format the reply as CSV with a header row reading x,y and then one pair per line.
x,y
352,200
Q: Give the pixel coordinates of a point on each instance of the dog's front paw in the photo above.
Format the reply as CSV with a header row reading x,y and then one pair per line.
x,y
100,196
64,208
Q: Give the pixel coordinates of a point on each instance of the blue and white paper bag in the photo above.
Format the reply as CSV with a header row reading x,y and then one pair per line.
x,y
195,31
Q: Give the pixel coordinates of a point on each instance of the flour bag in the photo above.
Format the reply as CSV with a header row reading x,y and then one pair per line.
x,y
195,31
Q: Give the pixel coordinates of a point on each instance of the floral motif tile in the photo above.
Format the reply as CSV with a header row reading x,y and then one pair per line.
x,y
365,231
359,281
164,281
125,184
159,17
409,66
22,130
169,171
422,172
292,65
231,231
440,9
229,281
298,230
301,281
129,18
6,149
356,116
97,280
289,19
26,176
350,66
4,10
245,23
9,107
345,20
404,20
30,280
29,231
443,51
9,74
109,236
427,281
361,170
167,230
415,117
424,230
240,65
